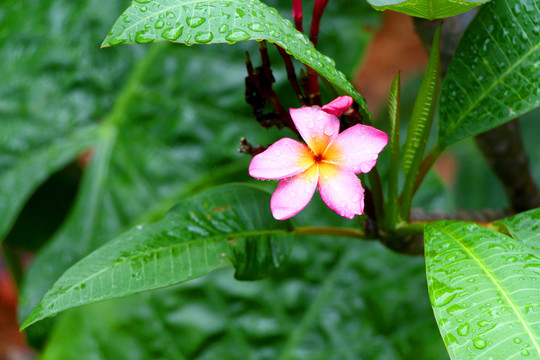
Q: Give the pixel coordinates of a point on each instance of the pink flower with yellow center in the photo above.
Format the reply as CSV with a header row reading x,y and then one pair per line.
x,y
330,161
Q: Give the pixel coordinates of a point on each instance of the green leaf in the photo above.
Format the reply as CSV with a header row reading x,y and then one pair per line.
x,y
337,299
420,124
391,212
427,9
222,21
207,232
484,289
493,76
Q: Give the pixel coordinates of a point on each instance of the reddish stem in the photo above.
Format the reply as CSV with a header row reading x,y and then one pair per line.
x,y
297,14
291,74
313,80
318,10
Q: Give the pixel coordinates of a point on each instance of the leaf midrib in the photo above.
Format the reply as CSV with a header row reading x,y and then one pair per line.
x,y
495,282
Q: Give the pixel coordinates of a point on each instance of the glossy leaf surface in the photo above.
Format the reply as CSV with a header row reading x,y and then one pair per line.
x,y
222,21
335,299
494,74
484,288
427,9
224,226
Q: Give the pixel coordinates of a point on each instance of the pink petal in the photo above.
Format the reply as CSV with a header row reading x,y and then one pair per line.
x,y
318,128
285,158
341,190
292,195
357,148
338,106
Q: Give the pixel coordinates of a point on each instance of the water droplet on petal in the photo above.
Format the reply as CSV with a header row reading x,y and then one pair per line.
x,y
329,131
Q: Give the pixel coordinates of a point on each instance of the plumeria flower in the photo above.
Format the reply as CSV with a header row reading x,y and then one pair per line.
x,y
330,161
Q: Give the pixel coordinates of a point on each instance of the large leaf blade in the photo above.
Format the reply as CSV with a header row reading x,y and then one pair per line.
x,y
493,76
204,233
427,9
222,21
484,288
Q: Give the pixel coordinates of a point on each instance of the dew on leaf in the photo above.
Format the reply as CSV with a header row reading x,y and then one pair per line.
x,y
237,35
204,37
172,33
479,343
463,329
159,24
223,28
195,21
256,26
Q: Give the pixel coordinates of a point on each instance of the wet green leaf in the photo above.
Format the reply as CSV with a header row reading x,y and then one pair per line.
x,y
225,226
427,9
335,299
494,74
484,288
222,21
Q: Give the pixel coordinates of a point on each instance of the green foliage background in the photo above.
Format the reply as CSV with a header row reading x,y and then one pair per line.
x,y
163,122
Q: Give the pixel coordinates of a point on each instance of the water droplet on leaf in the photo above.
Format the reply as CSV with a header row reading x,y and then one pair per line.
x,y
237,35
204,37
195,21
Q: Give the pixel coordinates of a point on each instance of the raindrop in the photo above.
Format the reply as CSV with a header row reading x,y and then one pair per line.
x,y
160,24
256,26
172,33
143,8
463,329
302,37
479,343
329,131
144,37
195,21
204,37
517,340
524,352
237,35
223,28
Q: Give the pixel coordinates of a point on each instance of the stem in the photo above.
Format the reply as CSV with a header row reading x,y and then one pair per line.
x,y
331,231
318,11
313,79
377,193
297,15
291,74
426,164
